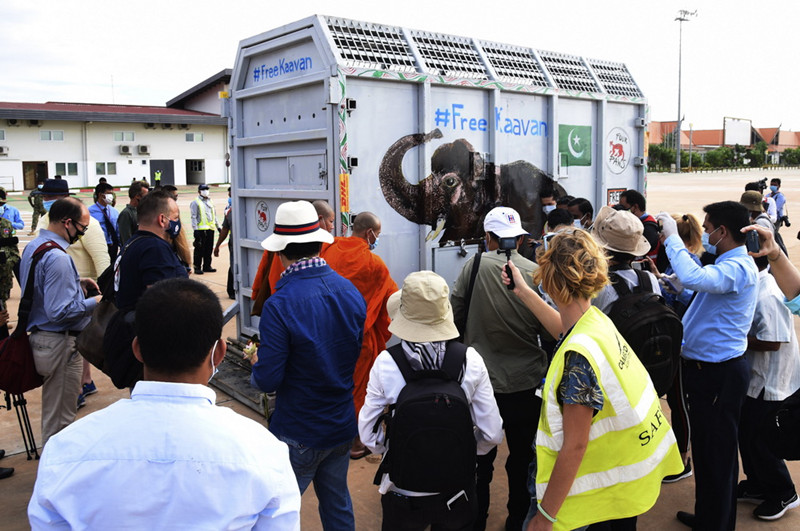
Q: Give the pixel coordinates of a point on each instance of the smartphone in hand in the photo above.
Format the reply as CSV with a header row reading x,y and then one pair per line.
x,y
751,242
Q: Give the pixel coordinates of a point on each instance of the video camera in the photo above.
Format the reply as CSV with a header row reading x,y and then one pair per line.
x,y
507,245
762,185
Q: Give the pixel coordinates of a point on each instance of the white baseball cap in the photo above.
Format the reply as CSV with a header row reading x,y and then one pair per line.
x,y
505,222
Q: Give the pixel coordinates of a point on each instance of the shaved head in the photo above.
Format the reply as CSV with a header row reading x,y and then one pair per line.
x,y
325,214
364,222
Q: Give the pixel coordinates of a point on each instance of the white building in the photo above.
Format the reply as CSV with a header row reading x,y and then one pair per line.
x,y
186,140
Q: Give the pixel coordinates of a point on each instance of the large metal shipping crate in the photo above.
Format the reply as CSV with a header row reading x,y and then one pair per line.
x,y
426,130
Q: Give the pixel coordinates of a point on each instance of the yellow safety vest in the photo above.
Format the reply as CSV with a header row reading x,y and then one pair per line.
x,y
204,223
631,445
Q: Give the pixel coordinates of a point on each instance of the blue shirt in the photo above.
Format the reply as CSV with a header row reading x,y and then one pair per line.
x,y
793,305
11,213
58,300
97,213
311,330
145,260
715,325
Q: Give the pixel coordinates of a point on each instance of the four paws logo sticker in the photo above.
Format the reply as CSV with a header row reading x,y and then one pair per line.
x,y
618,150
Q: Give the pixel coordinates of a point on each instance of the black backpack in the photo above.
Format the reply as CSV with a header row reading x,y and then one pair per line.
x,y
652,329
429,431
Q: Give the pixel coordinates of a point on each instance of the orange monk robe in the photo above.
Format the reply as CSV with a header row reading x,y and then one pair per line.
x,y
351,258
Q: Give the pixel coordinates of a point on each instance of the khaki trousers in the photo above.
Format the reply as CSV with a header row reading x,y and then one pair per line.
x,y
57,360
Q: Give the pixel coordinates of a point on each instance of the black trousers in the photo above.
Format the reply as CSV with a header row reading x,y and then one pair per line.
x,y
714,396
679,415
766,473
203,247
408,513
520,413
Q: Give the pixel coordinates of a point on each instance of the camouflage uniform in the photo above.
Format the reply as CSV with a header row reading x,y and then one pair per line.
x,y
37,203
9,257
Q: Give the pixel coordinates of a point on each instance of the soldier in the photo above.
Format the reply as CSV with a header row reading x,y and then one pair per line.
x,y
9,258
36,202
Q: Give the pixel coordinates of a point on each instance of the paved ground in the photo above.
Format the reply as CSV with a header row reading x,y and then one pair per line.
x,y
678,194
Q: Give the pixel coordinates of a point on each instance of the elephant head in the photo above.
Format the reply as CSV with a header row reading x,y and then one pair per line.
x,y
445,198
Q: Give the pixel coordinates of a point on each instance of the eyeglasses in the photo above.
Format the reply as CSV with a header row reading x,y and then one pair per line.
x,y
80,226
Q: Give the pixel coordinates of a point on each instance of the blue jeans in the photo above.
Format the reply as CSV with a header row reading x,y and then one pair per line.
x,y
328,470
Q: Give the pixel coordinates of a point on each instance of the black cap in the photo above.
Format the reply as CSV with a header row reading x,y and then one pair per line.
x,y
55,187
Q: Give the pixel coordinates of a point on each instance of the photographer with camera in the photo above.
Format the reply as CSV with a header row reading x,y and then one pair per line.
x,y
780,203
493,321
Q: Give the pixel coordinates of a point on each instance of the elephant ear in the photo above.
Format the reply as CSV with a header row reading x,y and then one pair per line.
x,y
521,183
457,157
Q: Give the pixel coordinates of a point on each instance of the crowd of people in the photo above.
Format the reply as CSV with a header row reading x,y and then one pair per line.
x,y
528,346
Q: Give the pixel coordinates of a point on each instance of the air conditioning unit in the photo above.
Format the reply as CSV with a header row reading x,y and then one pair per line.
x,y
150,125
13,122
125,150
166,126
3,150
144,150
183,126
34,123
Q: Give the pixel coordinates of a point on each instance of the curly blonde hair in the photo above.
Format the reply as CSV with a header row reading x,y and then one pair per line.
x,y
573,267
691,232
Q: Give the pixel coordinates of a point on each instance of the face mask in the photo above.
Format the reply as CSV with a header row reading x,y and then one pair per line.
x,y
773,188
77,236
2,209
48,204
174,228
706,239
548,208
577,223
109,198
204,193
229,201
375,243
40,186
214,369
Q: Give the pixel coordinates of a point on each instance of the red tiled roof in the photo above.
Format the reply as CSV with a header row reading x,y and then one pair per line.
x,y
55,106
707,137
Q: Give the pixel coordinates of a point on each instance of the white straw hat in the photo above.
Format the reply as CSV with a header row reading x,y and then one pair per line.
x,y
295,222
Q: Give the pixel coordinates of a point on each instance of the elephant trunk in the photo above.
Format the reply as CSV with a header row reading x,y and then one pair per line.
x,y
406,198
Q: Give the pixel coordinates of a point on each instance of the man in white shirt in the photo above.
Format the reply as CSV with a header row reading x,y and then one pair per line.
x,y
774,376
168,458
423,319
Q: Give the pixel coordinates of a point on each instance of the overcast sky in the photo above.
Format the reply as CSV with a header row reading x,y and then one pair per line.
x,y
739,58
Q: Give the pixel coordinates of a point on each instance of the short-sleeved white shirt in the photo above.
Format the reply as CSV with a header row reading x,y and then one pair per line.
x,y
776,372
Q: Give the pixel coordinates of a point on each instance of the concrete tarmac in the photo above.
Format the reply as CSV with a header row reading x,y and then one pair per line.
x,y
678,194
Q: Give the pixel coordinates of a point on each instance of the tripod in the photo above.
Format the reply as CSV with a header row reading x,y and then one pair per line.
x,y
21,408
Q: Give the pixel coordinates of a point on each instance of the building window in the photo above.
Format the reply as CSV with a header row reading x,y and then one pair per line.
x,y
195,165
194,137
2,134
105,168
124,136
46,134
66,168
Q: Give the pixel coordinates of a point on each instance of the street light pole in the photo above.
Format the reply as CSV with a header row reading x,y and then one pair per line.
x,y
682,17
691,130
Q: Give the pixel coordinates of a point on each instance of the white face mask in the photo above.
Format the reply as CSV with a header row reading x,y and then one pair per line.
x,y
204,193
214,368
548,208
109,198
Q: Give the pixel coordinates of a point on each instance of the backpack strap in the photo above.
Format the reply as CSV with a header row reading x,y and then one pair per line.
x,y
402,362
26,302
454,358
621,287
476,265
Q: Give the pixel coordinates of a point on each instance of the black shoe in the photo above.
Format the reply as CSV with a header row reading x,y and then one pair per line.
x,y
746,493
209,270
774,509
198,271
686,519
2,454
6,472
687,471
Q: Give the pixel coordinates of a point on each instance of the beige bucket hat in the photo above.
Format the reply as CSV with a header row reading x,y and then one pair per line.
x,y
620,231
421,310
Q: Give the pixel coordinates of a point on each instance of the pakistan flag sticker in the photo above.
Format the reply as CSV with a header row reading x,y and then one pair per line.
x,y
575,141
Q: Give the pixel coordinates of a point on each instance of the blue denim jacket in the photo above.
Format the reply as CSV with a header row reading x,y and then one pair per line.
x,y
311,330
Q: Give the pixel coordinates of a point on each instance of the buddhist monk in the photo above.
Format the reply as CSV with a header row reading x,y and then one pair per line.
x,y
352,258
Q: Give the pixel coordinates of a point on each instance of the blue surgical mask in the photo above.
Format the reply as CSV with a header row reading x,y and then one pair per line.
x,y
374,244
229,201
712,249
548,208
174,228
39,186
48,204
773,188
577,223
